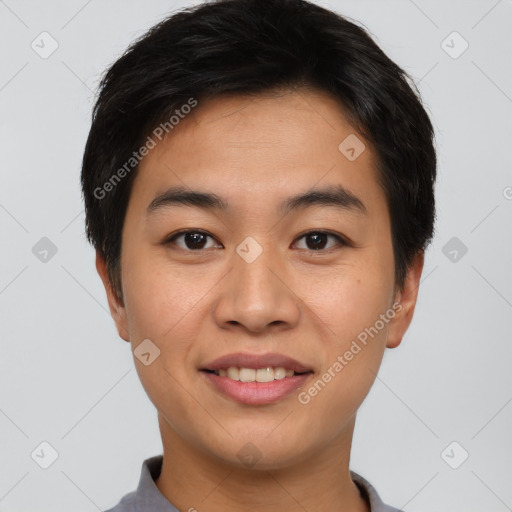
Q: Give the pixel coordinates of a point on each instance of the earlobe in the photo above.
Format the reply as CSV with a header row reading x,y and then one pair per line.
x,y
407,300
117,310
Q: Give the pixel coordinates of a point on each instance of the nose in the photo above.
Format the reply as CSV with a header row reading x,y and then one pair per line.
x,y
257,294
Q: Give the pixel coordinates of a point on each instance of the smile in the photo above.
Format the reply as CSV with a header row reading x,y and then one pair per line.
x,y
255,379
267,374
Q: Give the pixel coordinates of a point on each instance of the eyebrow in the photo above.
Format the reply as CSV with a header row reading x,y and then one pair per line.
x,y
335,196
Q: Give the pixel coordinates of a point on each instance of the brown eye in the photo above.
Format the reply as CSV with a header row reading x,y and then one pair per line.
x,y
196,240
317,240
193,240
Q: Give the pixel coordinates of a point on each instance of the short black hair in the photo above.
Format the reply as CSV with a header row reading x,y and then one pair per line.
x,y
248,47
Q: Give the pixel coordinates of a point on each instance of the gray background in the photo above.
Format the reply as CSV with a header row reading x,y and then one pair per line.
x,y
67,379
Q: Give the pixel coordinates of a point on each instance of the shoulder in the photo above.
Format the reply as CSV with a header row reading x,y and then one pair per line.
x,y
127,504
371,495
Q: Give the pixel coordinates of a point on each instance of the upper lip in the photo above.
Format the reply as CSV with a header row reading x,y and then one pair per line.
x,y
247,360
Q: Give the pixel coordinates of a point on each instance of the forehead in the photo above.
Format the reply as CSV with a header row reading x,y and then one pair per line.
x,y
267,146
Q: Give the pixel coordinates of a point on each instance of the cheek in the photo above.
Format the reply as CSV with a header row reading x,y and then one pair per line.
x,y
357,336
353,352
357,307
158,297
160,306
354,298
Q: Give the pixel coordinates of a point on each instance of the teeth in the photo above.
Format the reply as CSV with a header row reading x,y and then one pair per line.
x,y
264,375
247,375
234,373
267,374
279,373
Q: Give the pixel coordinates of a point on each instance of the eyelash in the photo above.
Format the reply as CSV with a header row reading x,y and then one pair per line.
x,y
341,241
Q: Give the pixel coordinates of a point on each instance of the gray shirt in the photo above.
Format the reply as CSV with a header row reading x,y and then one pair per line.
x,y
147,497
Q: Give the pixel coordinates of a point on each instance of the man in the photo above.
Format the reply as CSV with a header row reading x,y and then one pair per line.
x,y
258,182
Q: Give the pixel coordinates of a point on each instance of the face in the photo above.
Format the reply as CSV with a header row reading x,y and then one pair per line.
x,y
260,280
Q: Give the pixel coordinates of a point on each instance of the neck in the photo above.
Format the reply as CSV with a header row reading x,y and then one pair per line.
x,y
191,480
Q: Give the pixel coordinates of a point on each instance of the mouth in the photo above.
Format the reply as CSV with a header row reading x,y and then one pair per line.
x,y
267,374
256,379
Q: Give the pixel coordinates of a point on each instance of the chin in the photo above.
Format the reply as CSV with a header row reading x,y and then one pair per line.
x,y
263,454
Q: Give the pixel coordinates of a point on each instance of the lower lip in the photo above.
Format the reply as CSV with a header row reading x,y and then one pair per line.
x,y
257,393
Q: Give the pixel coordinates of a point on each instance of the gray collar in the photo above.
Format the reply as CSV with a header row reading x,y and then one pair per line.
x,y
148,497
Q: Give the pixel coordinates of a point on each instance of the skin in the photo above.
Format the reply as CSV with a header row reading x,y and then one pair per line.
x,y
199,304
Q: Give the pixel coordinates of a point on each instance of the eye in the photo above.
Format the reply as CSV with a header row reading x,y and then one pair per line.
x,y
318,240
193,239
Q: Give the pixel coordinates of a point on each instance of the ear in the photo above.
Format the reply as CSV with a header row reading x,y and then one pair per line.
x,y
117,310
407,298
